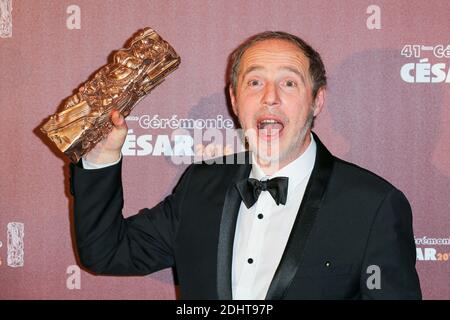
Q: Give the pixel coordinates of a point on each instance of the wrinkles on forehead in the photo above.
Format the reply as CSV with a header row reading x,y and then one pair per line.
x,y
279,55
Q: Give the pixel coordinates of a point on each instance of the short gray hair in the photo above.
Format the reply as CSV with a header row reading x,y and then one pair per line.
x,y
316,66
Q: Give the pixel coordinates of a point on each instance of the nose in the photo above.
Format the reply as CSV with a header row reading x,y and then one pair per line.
x,y
271,96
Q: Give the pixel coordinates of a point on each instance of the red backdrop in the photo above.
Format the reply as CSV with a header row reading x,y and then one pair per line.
x,y
387,110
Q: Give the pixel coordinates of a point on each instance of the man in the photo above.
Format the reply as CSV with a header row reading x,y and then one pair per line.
x,y
297,223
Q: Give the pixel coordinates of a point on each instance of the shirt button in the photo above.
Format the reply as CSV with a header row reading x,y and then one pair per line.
x,y
260,216
250,260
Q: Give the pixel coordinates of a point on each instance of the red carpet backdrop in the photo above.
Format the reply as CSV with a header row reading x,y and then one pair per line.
x,y
387,109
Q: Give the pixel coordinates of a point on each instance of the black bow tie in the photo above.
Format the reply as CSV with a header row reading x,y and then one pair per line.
x,y
250,189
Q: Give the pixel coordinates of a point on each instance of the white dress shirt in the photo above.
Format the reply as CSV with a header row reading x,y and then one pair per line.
x,y
90,165
262,231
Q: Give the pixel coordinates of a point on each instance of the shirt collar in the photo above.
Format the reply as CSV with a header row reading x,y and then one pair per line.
x,y
296,171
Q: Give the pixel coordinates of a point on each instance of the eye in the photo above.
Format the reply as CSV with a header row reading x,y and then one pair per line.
x,y
254,83
290,83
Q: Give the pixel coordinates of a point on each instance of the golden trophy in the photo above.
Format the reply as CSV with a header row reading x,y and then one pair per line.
x,y
120,85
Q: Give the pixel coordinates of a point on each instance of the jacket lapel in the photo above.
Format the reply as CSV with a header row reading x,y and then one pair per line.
x,y
227,228
304,221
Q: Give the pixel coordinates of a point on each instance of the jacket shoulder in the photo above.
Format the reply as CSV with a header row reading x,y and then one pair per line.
x,y
215,174
353,176
228,162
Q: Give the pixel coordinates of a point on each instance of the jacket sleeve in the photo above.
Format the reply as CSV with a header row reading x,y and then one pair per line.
x,y
388,270
109,244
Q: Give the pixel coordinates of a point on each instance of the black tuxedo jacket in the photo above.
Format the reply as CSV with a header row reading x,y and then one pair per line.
x,y
349,221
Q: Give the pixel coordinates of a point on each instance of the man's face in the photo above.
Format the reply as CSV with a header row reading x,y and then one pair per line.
x,y
273,101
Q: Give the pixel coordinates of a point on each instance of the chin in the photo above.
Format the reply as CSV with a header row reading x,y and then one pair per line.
x,y
267,157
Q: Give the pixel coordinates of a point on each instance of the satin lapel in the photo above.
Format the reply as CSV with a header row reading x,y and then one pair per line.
x,y
304,221
227,228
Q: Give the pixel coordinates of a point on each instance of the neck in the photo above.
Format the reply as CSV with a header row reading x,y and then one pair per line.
x,y
271,167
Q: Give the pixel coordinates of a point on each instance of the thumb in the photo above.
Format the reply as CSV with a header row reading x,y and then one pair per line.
x,y
117,119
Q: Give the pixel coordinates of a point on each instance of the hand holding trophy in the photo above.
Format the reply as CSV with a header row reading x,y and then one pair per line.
x,y
108,149
102,103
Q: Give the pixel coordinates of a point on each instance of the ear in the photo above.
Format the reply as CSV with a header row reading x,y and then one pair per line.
x,y
319,101
233,99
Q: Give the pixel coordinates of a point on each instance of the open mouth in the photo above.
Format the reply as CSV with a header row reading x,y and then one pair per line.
x,y
269,128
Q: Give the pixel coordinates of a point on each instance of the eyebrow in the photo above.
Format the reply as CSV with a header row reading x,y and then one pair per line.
x,y
285,68
253,68
296,72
